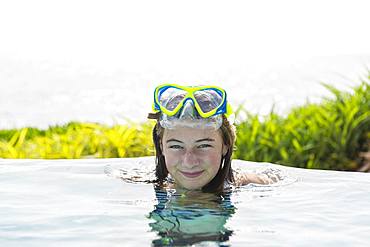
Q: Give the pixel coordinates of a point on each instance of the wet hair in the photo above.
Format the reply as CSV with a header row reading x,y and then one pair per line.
x,y
225,172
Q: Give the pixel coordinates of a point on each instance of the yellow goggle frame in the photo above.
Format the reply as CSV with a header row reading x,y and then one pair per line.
x,y
223,108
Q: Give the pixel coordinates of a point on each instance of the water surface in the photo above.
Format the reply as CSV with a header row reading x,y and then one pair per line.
x,y
87,203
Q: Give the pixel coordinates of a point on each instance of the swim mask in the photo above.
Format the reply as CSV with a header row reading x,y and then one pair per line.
x,y
195,106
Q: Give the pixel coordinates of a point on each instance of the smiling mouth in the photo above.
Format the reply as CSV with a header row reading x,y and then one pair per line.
x,y
192,174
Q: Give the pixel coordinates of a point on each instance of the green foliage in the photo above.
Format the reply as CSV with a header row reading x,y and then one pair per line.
x,y
328,135
79,140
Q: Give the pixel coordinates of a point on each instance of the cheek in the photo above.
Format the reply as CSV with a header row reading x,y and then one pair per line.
x,y
171,158
213,158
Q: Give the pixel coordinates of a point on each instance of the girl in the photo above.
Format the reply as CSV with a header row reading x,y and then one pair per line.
x,y
194,139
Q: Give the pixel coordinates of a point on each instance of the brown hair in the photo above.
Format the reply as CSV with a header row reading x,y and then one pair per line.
x,y
224,174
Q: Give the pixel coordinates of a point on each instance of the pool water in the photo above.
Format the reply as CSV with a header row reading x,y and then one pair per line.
x,y
106,202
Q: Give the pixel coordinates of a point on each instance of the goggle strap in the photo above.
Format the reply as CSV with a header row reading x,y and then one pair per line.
x,y
229,110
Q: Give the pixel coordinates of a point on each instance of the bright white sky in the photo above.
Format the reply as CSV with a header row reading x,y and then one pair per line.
x,y
176,35
75,60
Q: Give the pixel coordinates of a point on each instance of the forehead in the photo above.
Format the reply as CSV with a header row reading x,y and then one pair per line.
x,y
190,134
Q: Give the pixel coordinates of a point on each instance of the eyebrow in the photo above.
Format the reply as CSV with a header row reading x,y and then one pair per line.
x,y
200,140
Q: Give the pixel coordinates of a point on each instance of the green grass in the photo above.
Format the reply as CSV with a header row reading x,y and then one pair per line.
x,y
77,140
328,135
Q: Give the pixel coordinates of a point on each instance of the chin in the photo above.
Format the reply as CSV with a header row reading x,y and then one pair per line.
x,y
192,186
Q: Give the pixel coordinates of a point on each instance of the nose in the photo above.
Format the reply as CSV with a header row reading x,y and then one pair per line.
x,y
190,160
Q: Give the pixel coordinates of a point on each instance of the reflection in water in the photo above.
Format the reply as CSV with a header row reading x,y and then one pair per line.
x,y
190,217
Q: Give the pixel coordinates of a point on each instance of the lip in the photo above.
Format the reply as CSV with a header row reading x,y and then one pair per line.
x,y
192,174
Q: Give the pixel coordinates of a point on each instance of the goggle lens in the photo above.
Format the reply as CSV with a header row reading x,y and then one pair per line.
x,y
171,97
208,99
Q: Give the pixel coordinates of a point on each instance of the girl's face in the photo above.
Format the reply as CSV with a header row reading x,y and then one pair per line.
x,y
193,156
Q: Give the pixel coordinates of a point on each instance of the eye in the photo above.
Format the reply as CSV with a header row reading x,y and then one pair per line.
x,y
205,146
175,147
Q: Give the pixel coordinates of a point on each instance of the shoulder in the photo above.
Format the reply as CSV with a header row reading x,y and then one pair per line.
x,y
242,178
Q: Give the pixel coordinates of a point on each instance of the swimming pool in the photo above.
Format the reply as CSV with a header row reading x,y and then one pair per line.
x,y
85,203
